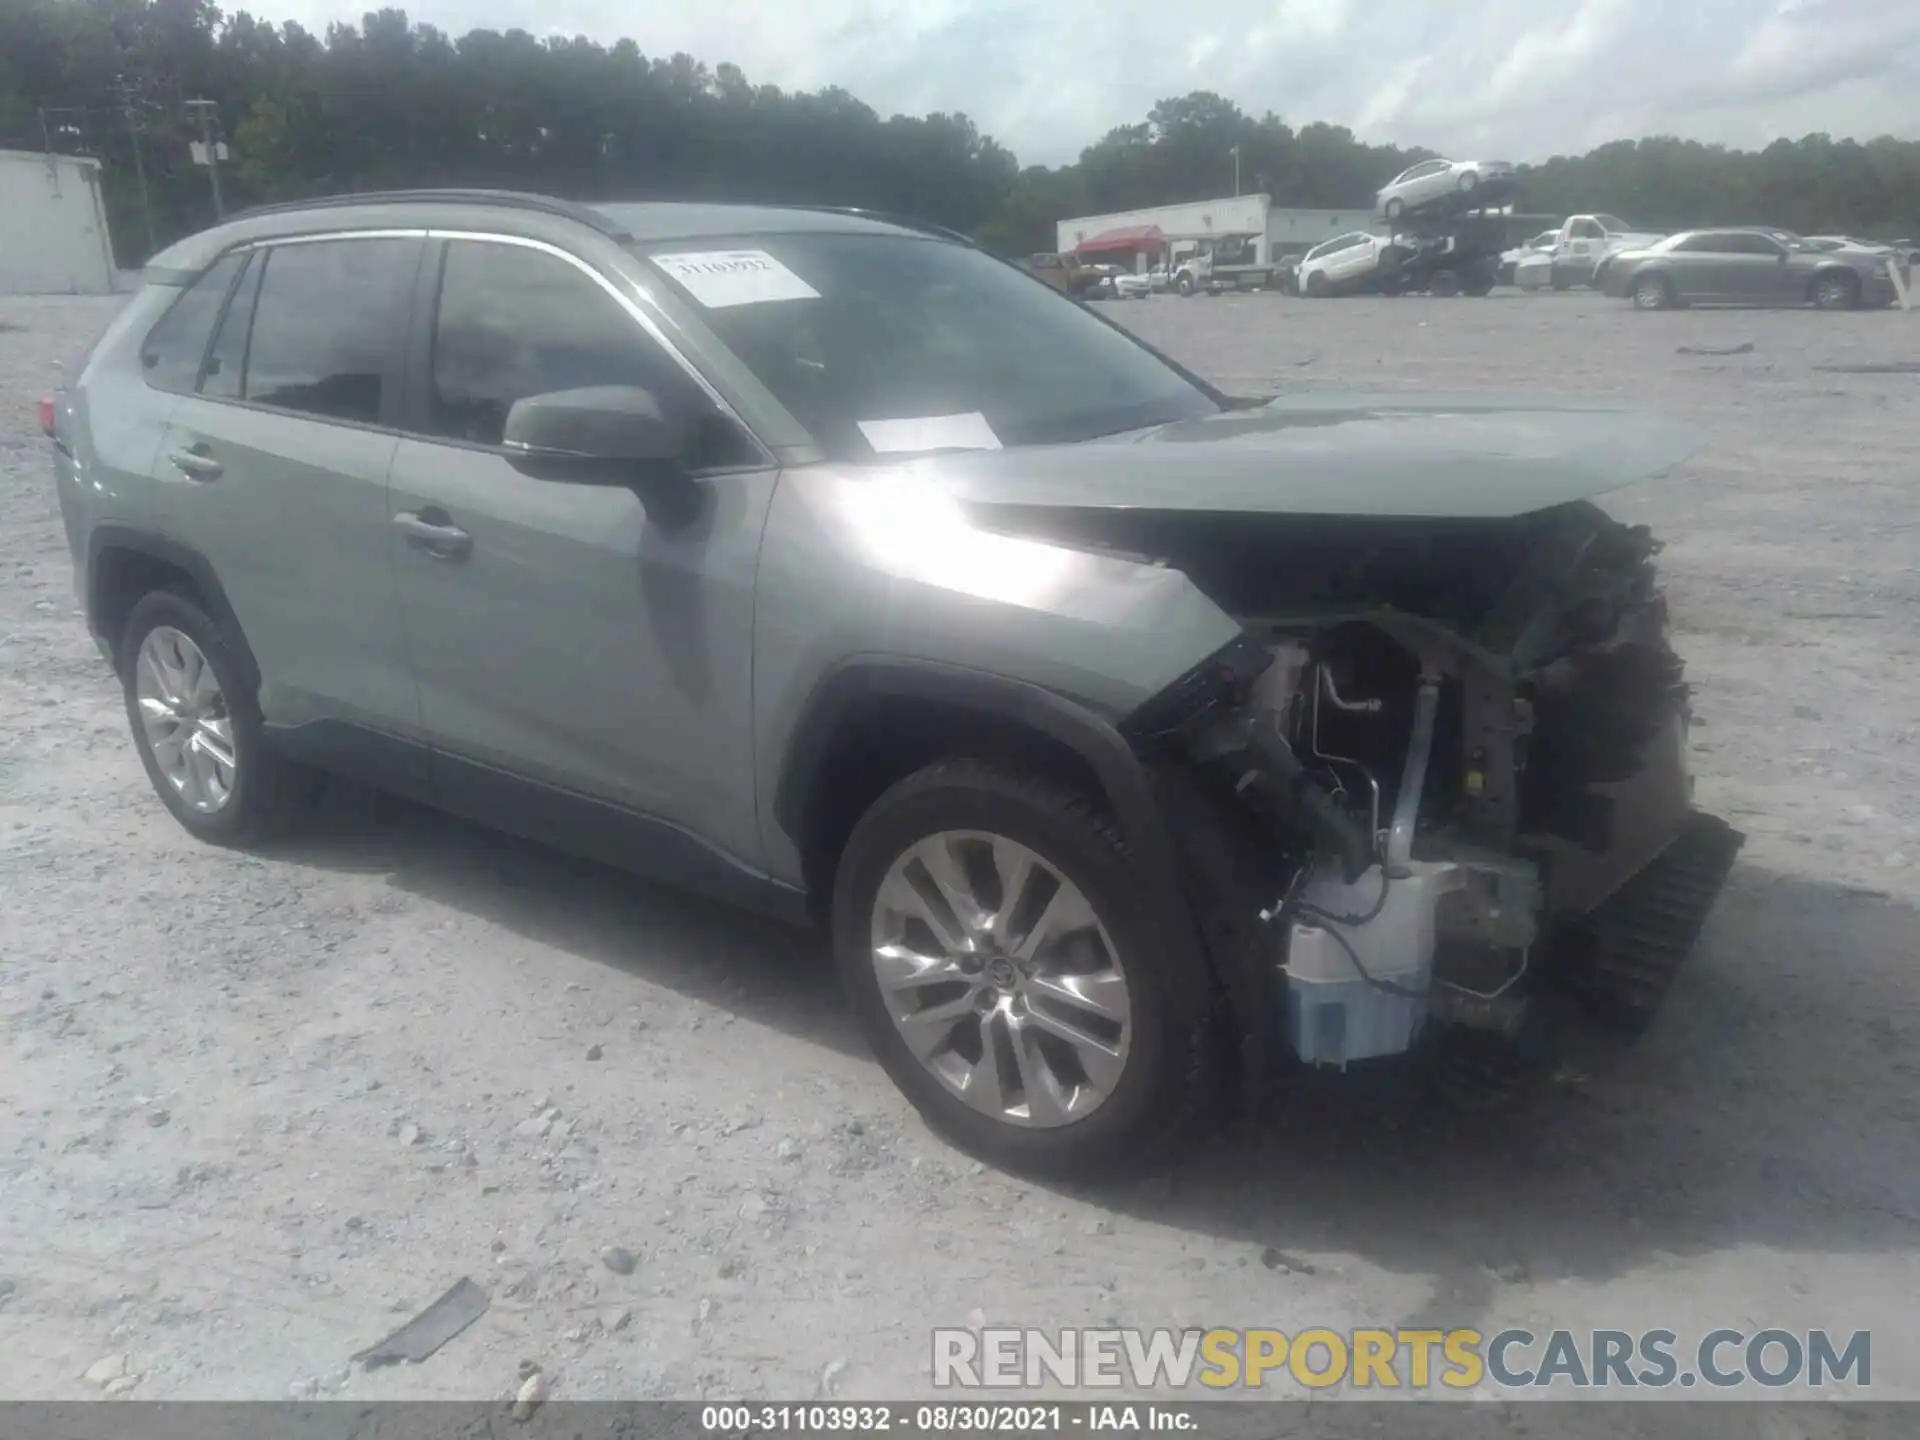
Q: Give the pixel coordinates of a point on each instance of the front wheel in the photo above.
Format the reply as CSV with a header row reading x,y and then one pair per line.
x,y
1184,285
999,946
1838,291
1394,209
1318,285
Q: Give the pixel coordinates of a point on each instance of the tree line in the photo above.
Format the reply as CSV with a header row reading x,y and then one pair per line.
x,y
391,104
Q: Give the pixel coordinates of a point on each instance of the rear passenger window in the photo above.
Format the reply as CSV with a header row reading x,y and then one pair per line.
x,y
174,348
324,325
514,322
229,354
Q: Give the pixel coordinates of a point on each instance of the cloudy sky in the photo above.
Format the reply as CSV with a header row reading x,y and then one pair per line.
x,y
1518,79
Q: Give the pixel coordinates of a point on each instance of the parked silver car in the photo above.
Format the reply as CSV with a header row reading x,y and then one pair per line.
x,y
1442,185
1745,267
1127,738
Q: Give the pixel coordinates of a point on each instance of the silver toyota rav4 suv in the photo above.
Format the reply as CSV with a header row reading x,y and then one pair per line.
x,y
1132,741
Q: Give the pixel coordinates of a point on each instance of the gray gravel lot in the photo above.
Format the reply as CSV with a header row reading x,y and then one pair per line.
x,y
255,1109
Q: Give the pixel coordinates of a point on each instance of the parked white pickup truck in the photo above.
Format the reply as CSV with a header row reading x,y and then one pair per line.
x,y
1585,239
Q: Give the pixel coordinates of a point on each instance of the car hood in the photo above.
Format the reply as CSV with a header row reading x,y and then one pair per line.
x,y
1459,456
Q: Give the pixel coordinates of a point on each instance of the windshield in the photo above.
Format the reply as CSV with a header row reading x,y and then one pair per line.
x,y
894,344
1613,224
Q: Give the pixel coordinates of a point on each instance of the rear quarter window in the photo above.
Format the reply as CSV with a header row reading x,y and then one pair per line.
x,y
171,354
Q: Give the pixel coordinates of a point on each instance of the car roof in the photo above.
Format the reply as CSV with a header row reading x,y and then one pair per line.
x,y
518,213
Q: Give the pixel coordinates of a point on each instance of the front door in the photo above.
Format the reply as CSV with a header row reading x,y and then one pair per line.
x,y
275,469
559,635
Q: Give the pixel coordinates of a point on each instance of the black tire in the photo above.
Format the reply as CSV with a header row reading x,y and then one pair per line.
x,y
269,792
1172,1074
1478,283
1652,292
1394,209
1469,182
1836,291
1561,280
1184,285
1444,283
1318,285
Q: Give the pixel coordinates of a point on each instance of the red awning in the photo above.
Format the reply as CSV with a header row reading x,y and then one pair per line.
x,y
1134,237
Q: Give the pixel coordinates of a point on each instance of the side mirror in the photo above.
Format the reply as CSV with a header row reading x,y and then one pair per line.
x,y
612,435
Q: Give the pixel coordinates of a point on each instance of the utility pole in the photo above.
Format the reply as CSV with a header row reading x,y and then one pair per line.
x,y
205,109
1236,170
139,164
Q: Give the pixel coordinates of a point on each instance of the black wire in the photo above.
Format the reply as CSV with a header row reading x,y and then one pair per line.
x,y
1365,974
1293,906
1378,905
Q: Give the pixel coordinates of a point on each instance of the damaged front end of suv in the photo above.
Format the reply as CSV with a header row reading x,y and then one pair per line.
x,y
1445,755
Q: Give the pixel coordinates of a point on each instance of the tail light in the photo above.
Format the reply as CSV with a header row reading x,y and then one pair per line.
x,y
46,416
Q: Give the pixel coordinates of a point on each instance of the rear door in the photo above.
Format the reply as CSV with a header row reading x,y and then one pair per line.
x,y
1761,275
275,469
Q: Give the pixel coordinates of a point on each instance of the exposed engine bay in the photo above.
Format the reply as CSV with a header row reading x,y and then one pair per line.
x,y
1467,741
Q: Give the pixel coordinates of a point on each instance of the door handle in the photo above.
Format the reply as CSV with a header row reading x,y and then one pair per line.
x,y
437,538
196,462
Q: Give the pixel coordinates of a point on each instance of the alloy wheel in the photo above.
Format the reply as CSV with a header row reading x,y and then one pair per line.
x,y
184,713
1000,977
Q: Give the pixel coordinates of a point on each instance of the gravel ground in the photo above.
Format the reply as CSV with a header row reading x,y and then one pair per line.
x,y
256,1109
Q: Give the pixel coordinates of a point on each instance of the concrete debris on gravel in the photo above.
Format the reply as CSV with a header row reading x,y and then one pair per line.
x,y
1750,1163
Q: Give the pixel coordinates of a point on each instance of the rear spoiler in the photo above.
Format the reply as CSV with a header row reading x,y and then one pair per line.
x,y
163,275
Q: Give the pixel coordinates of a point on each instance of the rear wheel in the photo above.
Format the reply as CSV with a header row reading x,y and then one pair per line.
x,y
1478,283
1561,280
1469,182
1652,292
198,728
997,943
1836,290
1445,283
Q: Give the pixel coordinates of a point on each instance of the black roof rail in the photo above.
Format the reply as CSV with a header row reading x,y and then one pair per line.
x,y
516,199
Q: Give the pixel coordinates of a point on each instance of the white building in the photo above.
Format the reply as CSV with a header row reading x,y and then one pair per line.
x,y
1280,231
53,226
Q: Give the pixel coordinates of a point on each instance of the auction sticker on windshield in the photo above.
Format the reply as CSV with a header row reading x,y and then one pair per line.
x,y
722,278
930,432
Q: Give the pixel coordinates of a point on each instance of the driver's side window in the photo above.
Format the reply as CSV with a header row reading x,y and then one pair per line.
x,y
513,321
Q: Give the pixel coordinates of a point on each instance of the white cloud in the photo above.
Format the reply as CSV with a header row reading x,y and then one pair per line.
x,y
1516,78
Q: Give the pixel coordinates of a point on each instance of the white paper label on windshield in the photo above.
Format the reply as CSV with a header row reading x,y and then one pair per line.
x,y
930,432
720,278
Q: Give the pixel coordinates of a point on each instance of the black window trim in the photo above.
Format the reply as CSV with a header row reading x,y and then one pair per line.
x,y
254,261
426,315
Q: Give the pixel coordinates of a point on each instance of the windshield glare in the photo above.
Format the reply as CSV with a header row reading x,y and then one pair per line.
x,y
1613,224
907,329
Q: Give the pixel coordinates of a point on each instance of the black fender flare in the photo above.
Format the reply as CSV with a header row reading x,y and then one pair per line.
x,y
859,682
181,557
1129,788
